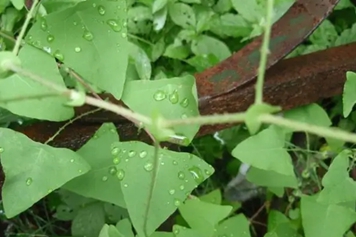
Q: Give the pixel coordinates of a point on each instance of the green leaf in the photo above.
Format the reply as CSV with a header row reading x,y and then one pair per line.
x,y
182,15
325,34
276,218
203,216
311,114
268,155
177,51
202,62
150,197
102,177
173,97
90,38
349,95
109,231
125,227
204,44
234,226
49,108
158,49
347,36
18,4
204,16
338,186
159,19
158,5
249,10
254,112
142,62
213,197
34,175
268,178
230,25
320,220
89,221
3,5
223,6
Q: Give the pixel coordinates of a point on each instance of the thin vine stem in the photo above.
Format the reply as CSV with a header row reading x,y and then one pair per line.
x,y
29,16
264,53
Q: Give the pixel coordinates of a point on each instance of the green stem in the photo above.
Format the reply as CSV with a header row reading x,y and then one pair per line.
x,y
264,53
29,15
317,130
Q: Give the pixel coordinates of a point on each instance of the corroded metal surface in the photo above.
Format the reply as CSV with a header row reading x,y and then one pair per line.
x,y
229,86
290,83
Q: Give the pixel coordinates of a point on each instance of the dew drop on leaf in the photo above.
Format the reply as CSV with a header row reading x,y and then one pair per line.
x,y
87,35
159,95
104,178
126,185
181,175
50,38
115,151
174,97
77,49
75,23
80,171
124,35
184,103
181,187
184,116
175,162
116,160
120,174
197,174
176,202
132,153
2,149
172,191
207,172
114,25
101,10
28,181
143,154
112,170
44,25
148,166
71,160
57,54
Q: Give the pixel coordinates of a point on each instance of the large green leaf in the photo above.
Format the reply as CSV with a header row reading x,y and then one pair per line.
x,y
34,169
266,151
91,38
154,187
100,182
325,220
47,108
349,95
174,98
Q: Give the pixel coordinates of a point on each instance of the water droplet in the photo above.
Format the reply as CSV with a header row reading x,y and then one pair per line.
x,y
44,25
148,166
2,149
207,172
57,54
197,174
143,154
126,185
184,116
162,163
50,38
49,191
112,170
184,103
124,35
181,175
176,202
125,23
132,153
115,151
159,95
80,171
88,35
120,174
174,97
181,187
95,136
176,231
114,25
36,43
71,160
75,23
172,191
116,160
104,178
175,162
101,10
77,49
28,181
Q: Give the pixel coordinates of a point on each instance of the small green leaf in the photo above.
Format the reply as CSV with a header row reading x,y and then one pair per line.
x,y
173,98
202,62
182,15
320,220
347,36
109,231
90,38
349,95
213,197
89,221
34,175
338,186
102,177
234,226
159,19
265,151
124,226
203,216
18,4
150,197
142,62
177,51
8,59
250,10
158,5
204,45
254,112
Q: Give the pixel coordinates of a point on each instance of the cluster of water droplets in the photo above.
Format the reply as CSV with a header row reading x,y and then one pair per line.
x,y
173,97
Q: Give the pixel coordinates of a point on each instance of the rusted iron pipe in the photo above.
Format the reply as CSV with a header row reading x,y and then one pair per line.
x,y
290,83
